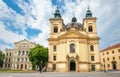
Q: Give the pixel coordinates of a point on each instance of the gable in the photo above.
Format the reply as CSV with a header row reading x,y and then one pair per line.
x,y
72,34
23,41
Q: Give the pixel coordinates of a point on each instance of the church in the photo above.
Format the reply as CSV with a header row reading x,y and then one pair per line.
x,y
73,46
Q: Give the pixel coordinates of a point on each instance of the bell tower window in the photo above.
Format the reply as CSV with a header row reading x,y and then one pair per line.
x,y
54,48
90,29
55,29
91,48
72,47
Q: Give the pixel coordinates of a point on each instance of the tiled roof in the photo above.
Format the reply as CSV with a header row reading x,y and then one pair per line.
x,y
112,47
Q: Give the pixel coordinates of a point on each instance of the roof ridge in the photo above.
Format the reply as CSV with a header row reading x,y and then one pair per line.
x,y
112,46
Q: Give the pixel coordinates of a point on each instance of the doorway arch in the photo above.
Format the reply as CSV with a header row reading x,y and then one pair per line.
x,y
114,66
72,65
21,67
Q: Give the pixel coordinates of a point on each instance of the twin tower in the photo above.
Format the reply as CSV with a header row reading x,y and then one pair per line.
x,y
73,46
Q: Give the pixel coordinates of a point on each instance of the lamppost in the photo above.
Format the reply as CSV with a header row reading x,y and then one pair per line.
x,y
104,66
41,66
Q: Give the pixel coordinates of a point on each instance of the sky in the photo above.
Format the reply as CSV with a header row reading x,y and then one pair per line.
x,y
29,19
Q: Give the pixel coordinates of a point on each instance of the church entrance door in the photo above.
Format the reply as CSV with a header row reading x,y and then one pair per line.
x,y
72,65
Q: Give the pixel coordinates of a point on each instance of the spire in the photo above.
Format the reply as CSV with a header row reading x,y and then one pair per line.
x,y
74,19
57,13
89,13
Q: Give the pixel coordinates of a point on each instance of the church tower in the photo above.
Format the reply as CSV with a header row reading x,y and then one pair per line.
x,y
73,46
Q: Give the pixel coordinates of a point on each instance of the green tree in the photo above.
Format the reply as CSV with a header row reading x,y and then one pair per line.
x,y
2,55
38,56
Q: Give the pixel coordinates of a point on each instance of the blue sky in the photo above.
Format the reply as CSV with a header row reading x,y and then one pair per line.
x,y
29,19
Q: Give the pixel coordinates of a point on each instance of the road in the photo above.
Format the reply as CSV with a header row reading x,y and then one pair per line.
x,y
66,74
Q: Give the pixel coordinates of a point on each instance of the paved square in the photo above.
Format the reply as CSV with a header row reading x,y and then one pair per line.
x,y
66,74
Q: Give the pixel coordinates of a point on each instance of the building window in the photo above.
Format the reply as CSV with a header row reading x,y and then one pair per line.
x,y
108,65
54,48
10,54
108,59
103,60
5,65
25,66
107,53
7,54
118,50
17,66
72,47
19,52
26,59
26,52
18,59
8,65
54,67
92,58
23,52
119,57
91,48
22,59
113,58
103,53
54,58
9,59
6,60
90,29
112,51
55,29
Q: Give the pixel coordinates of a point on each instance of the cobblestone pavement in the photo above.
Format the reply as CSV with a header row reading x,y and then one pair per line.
x,y
66,74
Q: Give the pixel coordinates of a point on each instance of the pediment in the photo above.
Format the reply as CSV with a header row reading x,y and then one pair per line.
x,y
73,34
24,41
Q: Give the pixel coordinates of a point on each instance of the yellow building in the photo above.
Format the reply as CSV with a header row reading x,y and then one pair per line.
x,y
17,58
73,46
110,57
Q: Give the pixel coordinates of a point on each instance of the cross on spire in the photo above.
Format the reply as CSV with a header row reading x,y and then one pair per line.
x,y
73,14
88,6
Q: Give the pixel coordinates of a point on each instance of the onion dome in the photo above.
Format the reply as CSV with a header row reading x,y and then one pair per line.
x,y
57,13
73,23
89,13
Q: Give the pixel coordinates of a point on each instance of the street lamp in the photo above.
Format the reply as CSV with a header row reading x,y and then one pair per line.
x,y
40,66
104,65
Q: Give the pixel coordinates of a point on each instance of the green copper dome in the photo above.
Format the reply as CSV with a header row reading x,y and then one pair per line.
x,y
89,13
57,14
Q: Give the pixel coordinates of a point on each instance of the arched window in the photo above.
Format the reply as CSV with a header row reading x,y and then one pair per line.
x,y
19,52
25,66
90,29
55,29
54,48
26,59
72,47
26,52
17,66
10,54
23,52
7,54
18,59
91,48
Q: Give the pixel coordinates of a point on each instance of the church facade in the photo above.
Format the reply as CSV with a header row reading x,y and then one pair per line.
x,y
73,46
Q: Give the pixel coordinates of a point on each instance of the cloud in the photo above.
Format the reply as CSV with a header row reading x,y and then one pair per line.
x,y
107,17
36,14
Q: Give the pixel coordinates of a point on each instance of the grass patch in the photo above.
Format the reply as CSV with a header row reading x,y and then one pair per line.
x,y
17,71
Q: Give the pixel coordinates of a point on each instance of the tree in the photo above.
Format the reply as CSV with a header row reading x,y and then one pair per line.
x,y
2,55
38,56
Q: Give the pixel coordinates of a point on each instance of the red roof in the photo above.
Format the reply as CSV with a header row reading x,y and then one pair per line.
x,y
112,47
